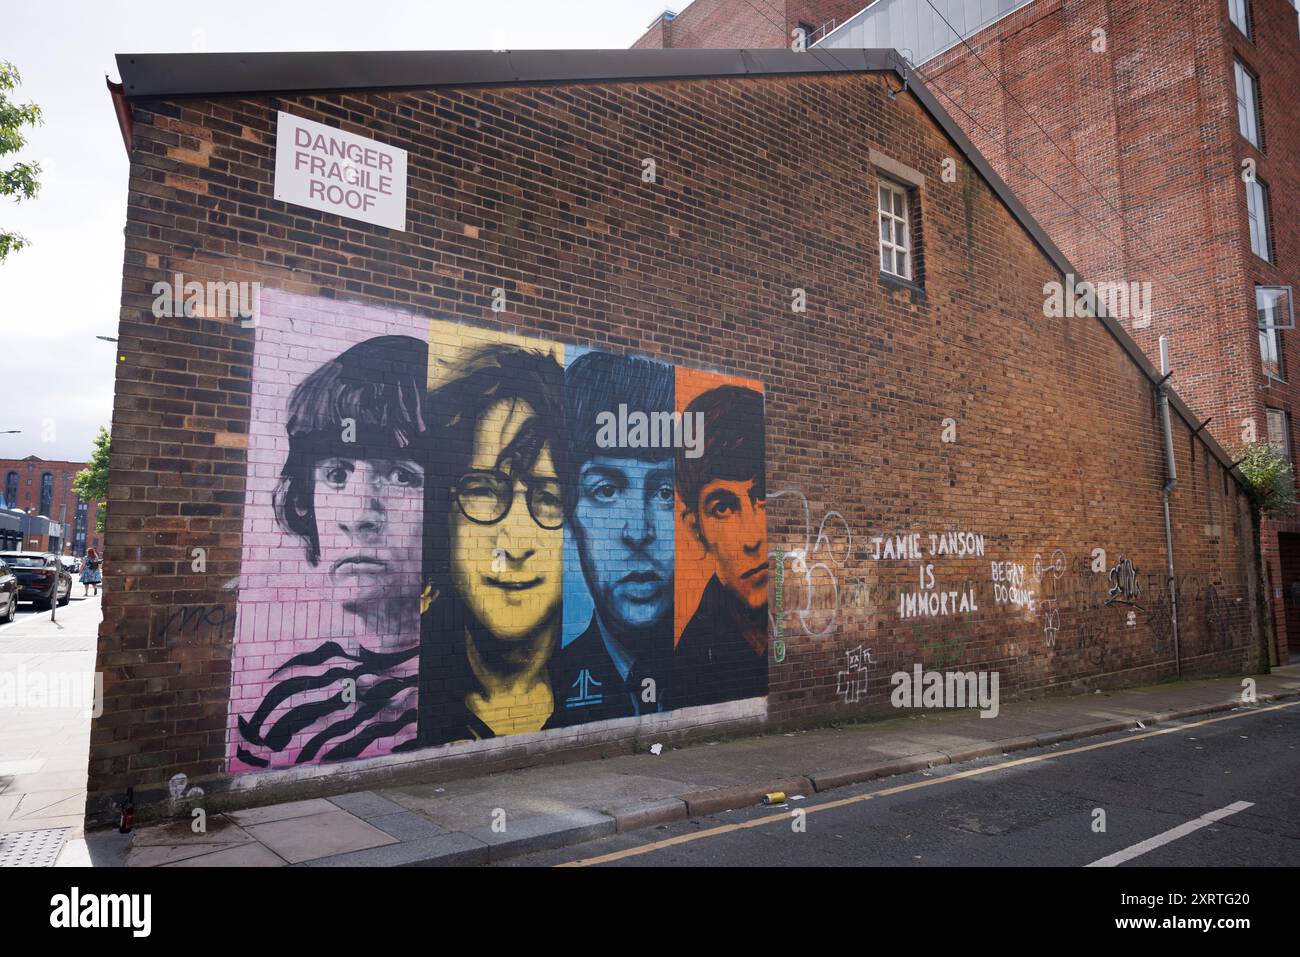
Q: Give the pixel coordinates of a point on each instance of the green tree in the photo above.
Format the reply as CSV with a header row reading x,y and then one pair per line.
x,y
19,180
91,483
1270,476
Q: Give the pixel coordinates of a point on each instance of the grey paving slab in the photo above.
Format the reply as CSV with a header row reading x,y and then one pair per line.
x,y
407,826
467,804
243,855
298,839
36,804
160,855
8,803
543,831
446,849
220,830
366,804
281,812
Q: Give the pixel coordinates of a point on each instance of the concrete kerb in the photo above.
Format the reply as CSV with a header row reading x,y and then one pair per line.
x,y
729,799
651,814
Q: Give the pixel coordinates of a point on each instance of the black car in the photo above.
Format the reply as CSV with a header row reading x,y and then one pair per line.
x,y
8,592
41,577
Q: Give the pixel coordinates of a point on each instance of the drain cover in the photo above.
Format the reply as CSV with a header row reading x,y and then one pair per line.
x,y
31,848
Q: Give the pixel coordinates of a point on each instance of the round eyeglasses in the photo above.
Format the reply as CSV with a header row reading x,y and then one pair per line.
x,y
485,498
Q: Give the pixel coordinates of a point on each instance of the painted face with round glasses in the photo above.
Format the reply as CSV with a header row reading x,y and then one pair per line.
x,y
506,529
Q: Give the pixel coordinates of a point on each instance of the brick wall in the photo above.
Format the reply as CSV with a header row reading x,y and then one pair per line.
x,y
1151,122
1053,449
1145,185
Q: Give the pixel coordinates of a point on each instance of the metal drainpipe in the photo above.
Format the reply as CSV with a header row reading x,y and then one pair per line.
x,y
1170,484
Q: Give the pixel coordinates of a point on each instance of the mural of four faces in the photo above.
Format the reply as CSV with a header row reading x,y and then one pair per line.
x,y
469,534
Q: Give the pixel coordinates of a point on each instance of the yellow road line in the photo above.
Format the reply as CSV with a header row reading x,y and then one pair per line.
x,y
900,788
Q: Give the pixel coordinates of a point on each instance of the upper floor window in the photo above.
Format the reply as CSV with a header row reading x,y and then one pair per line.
x,y
1270,352
47,493
1275,313
1239,14
1279,431
1257,211
11,490
1247,102
895,231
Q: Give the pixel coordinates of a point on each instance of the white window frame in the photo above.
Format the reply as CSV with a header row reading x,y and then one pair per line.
x,y
1239,14
899,195
1257,214
1270,353
1273,320
1246,84
1284,428
1282,319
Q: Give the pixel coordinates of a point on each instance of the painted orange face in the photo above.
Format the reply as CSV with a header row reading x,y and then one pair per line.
x,y
732,525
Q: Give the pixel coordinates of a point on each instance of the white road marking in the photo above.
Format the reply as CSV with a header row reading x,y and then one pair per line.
x,y
1173,834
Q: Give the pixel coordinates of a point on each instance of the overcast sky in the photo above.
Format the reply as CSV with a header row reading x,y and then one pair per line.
x,y
64,289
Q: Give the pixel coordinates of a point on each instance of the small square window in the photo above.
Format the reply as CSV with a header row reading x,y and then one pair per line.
x,y
895,230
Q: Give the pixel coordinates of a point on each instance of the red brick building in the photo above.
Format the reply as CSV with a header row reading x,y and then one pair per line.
x,y
945,476
39,486
1127,129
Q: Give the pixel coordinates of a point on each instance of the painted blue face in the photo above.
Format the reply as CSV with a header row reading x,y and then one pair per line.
x,y
623,523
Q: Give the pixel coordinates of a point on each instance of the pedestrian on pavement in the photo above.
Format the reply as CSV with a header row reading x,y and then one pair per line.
x,y
91,576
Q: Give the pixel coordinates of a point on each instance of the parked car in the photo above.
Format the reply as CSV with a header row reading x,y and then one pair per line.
x,y
73,565
9,588
42,579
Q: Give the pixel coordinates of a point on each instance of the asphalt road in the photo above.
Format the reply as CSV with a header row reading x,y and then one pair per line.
x,y
1034,808
27,610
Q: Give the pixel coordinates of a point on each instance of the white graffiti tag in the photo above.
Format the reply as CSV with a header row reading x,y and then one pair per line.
x,y
852,681
812,564
1048,575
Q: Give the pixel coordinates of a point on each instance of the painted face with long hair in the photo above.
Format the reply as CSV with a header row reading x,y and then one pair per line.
x,y
506,511
507,540
352,487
